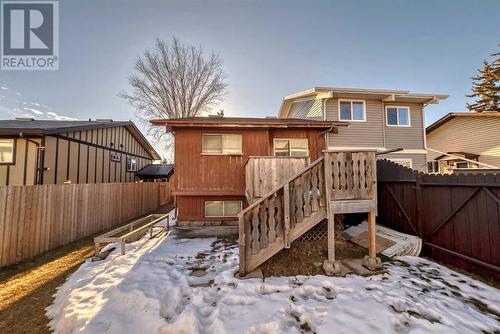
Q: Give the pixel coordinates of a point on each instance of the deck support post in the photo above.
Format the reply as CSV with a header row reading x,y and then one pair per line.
x,y
371,261
241,220
330,265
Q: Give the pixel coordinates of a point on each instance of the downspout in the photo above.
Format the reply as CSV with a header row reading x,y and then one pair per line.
x,y
37,171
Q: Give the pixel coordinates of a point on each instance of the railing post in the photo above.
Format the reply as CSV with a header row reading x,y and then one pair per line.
x,y
286,211
330,266
241,220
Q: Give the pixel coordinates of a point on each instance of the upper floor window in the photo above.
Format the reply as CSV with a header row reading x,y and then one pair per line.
x,y
6,151
398,116
291,147
352,110
131,164
222,144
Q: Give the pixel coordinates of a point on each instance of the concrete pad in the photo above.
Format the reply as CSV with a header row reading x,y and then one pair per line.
x,y
355,266
256,273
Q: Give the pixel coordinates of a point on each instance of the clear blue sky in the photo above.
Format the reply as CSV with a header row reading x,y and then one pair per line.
x,y
270,49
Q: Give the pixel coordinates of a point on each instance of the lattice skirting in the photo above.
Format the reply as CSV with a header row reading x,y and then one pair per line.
x,y
317,233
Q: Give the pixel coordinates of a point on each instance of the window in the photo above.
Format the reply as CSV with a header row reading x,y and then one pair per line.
x,y
222,144
131,164
462,164
291,147
6,151
403,162
433,166
352,110
397,116
222,208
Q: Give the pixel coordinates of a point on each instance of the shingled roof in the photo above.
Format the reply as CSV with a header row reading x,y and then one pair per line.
x,y
156,171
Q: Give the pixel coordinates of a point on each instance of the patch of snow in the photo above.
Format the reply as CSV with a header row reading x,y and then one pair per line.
x,y
152,289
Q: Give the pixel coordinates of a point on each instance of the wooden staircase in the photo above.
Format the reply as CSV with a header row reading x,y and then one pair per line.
x,y
280,217
338,182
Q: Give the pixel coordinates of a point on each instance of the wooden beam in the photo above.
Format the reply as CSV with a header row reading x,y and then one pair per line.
x,y
372,245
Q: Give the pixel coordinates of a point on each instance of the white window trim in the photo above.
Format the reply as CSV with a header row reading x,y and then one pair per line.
x,y
13,161
223,213
438,167
130,159
402,160
289,147
351,101
397,125
220,134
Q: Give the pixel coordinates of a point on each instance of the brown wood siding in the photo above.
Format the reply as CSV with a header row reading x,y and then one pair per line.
x,y
406,137
192,208
214,173
477,135
316,140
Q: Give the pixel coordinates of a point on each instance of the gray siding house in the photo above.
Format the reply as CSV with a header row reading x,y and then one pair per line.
x,y
378,119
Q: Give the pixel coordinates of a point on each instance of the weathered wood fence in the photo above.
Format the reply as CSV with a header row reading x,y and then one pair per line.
x,y
457,216
34,219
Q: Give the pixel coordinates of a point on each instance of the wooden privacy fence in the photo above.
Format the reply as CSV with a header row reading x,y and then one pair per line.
x,y
457,216
34,219
166,192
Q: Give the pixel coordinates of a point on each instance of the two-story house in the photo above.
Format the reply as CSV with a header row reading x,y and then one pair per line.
x,y
378,119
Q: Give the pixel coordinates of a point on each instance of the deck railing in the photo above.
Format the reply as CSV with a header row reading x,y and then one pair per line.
x,y
282,215
271,219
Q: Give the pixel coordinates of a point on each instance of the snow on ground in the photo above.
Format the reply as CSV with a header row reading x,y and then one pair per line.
x,y
175,285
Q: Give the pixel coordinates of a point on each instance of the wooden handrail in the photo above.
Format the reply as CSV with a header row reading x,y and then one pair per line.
x,y
270,157
269,194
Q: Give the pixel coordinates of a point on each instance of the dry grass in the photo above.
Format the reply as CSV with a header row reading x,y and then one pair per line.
x,y
306,258
27,289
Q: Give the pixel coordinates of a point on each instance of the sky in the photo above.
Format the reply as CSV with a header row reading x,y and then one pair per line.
x,y
270,49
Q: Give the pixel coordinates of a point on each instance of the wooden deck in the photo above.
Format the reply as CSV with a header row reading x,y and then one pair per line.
x,y
337,182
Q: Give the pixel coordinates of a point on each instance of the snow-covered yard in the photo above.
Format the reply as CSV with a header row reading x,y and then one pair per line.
x,y
175,285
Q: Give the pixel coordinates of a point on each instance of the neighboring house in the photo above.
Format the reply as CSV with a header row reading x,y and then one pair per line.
x,y
156,172
379,119
211,154
54,152
464,140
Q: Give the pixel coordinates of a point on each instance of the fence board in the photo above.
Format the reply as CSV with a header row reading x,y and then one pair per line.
x,y
34,219
457,215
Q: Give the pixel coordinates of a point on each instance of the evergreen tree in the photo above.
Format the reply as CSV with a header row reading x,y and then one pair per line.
x,y
486,87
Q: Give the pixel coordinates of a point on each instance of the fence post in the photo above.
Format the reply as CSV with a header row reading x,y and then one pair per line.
x,y
418,204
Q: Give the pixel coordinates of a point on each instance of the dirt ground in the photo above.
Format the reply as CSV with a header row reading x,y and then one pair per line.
x,y
27,289
306,258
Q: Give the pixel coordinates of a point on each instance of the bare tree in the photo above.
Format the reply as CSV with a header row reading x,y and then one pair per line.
x,y
174,80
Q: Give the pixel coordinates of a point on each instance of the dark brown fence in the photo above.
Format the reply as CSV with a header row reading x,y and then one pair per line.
x,y
457,216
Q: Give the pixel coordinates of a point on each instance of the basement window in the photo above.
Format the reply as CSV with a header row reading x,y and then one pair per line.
x,y
222,208
462,164
131,164
433,166
291,147
223,144
397,116
6,151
